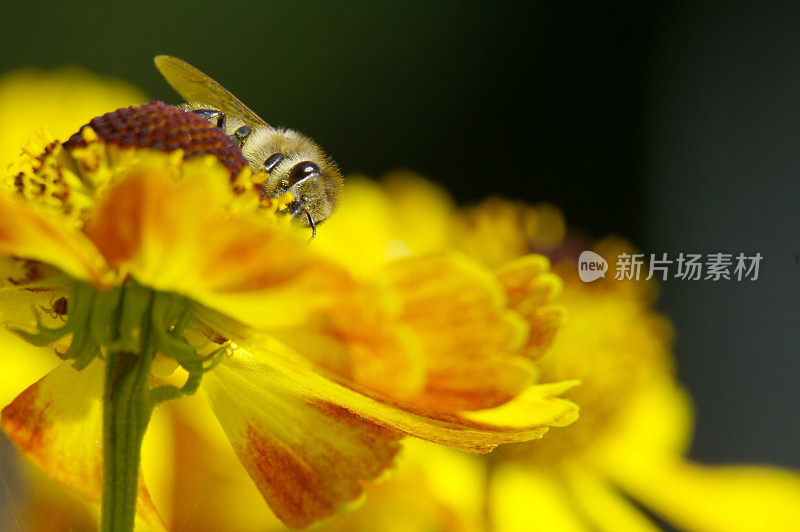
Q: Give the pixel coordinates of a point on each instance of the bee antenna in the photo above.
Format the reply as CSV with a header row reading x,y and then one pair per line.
x,y
313,226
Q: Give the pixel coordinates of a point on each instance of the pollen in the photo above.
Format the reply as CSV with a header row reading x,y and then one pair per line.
x,y
163,127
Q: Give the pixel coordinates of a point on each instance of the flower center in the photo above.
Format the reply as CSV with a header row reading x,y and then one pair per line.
x,y
68,178
162,127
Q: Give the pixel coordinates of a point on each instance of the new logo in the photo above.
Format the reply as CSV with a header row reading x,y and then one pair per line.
x,y
591,266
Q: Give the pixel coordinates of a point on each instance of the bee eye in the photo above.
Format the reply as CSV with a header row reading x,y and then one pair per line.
x,y
303,170
272,161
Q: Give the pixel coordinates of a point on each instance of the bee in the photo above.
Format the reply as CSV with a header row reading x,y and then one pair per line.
x,y
293,162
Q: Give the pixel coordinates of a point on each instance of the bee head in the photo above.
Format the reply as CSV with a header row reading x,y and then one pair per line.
x,y
297,165
313,190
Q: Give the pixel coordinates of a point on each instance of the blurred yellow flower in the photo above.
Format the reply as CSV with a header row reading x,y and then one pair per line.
x,y
636,420
55,103
143,238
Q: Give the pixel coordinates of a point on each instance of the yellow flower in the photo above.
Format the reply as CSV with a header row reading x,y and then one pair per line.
x,y
636,420
632,438
146,233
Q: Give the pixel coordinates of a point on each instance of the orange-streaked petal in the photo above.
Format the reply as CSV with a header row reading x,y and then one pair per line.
x,y
157,226
28,233
58,422
156,221
308,457
468,335
720,498
357,336
528,283
209,479
433,489
380,355
271,365
531,290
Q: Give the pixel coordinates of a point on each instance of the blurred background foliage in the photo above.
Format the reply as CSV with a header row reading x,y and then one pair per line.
x,y
675,126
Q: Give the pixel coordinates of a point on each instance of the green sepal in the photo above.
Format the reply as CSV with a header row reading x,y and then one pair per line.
x,y
43,335
104,310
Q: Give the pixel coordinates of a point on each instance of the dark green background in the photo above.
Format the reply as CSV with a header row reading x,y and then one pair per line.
x,y
538,102
674,126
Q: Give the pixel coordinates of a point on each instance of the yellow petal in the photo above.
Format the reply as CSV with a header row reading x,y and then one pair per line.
x,y
654,429
57,423
523,501
386,359
469,337
309,458
22,364
536,405
272,366
720,498
26,232
176,234
528,283
531,290
157,465
617,348
456,480
60,101
369,215
45,505
606,508
404,215
422,211
49,506
357,336
208,476
496,231
29,296
545,323
434,489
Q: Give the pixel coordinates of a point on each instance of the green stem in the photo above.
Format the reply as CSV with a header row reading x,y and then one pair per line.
x,y
126,413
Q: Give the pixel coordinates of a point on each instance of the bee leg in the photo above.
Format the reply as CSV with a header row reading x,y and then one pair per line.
x,y
241,134
212,115
313,226
302,207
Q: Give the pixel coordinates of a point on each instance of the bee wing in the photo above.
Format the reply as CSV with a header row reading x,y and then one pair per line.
x,y
196,87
